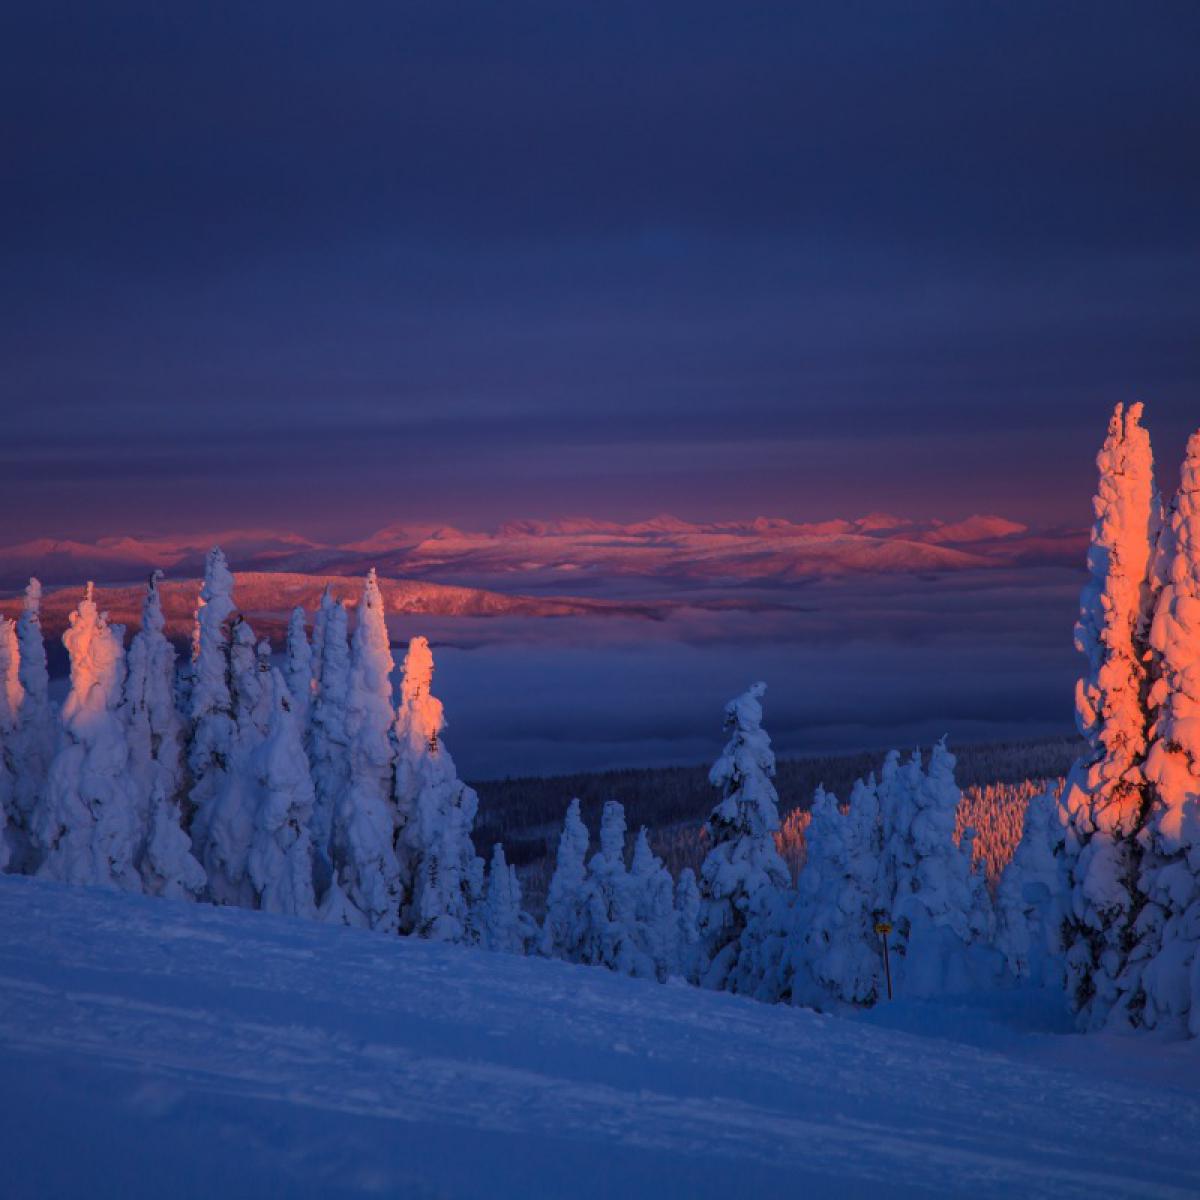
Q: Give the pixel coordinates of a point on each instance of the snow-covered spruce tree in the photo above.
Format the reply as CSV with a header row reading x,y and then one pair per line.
x,y
364,823
936,909
656,923
1106,796
299,667
609,935
328,742
504,926
437,811
36,734
13,839
153,733
86,826
1167,933
837,962
279,862
211,728
1031,896
743,870
562,930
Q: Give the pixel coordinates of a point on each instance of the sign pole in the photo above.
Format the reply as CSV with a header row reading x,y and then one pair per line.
x,y
883,928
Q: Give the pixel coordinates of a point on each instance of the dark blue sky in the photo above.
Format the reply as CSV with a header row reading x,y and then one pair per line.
x,y
333,265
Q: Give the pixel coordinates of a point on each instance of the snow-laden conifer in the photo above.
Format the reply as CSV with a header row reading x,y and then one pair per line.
x,y
938,909
14,843
743,869
279,863
328,740
437,811
86,826
503,927
35,738
838,962
299,667
566,900
211,732
364,826
1105,796
154,732
1166,993
1031,896
610,914
656,922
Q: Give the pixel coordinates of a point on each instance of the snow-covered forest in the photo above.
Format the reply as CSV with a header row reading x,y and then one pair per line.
x,y
311,790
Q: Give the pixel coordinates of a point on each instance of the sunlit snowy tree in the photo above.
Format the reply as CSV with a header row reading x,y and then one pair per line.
x,y
86,826
1166,993
1106,794
437,811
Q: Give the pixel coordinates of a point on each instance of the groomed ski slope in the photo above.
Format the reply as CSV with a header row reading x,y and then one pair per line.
x,y
155,1049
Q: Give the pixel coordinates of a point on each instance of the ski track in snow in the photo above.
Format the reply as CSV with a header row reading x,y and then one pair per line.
x,y
314,1061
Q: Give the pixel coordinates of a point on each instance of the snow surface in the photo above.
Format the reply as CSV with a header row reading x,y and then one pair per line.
x,y
152,1048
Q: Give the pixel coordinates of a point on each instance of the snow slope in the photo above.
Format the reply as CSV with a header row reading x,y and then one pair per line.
x,y
149,1048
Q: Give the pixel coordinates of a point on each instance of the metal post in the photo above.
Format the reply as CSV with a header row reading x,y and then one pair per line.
x,y
883,928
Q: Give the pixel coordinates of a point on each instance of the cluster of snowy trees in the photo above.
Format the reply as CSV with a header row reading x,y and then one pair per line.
x,y
305,791
311,791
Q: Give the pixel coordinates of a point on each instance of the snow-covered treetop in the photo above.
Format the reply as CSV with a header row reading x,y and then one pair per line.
x,y
210,691
96,664
11,691
153,620
34,676
745,769
420,720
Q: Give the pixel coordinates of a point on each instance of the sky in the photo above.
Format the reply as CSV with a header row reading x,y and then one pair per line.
x,y
330,266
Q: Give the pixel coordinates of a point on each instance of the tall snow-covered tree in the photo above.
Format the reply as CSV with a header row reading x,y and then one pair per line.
x,y
1106,796
154,733
837,961
364,827
14,843
610,915
437,811
299,667
36,734
279,863
211,728
656,922
938,910
328,739
1161,983
86,825
231,713
562,930
743,867
504,927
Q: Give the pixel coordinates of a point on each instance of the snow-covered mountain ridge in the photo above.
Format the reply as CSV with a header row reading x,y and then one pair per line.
x,y
151,1048
549,553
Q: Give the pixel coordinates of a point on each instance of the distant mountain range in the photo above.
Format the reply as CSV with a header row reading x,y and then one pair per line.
x,y
574,553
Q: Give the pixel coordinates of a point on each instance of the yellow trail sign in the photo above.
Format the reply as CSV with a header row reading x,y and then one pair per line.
x,y
883,927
